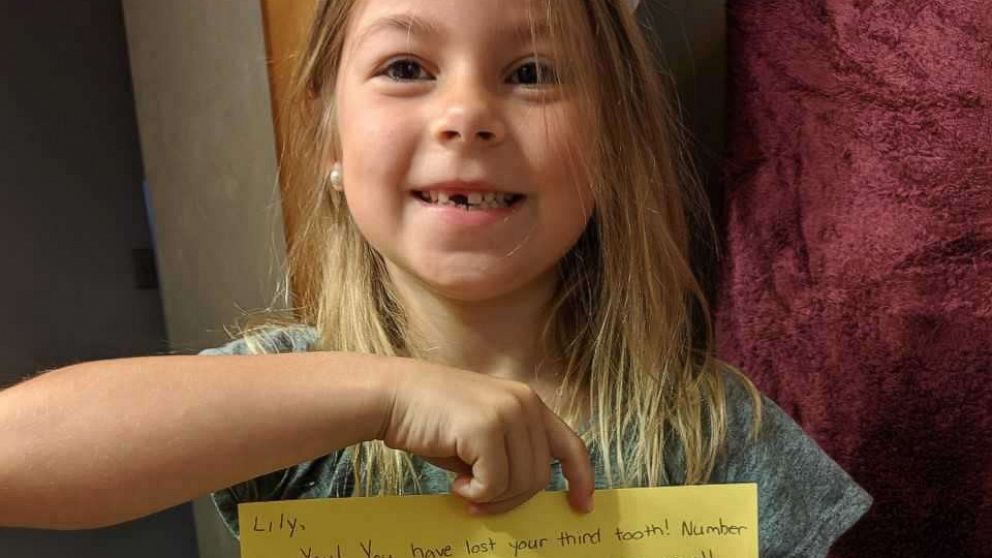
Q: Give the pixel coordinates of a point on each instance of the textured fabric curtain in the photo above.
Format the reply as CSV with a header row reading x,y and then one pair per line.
x,y
856,284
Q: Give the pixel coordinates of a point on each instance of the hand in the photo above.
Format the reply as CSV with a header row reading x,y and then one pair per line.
x,y
496,434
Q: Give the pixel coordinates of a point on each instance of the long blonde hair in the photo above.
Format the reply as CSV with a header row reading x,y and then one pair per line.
x,y
622,316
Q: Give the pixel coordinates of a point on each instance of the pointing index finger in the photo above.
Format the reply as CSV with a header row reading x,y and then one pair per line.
x,y
576,466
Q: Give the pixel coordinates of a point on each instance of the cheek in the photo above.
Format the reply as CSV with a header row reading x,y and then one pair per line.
x,y
375,154
556,138
369,124
555,155
377,144
564,153
363,126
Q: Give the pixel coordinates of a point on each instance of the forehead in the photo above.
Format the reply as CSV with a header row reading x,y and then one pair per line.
x,y
499,20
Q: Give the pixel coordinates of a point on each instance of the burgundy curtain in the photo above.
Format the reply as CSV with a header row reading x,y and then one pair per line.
x,y
856,285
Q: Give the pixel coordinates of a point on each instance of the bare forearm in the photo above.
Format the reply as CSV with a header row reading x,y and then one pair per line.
x,y
103,442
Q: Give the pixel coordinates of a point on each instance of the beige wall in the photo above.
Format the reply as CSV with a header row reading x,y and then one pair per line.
x,y
207,139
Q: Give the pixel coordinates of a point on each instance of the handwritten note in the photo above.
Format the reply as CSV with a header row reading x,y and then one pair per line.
x,y
711,521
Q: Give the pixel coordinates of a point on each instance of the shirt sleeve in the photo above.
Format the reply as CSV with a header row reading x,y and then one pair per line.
x,y
805,499
273,340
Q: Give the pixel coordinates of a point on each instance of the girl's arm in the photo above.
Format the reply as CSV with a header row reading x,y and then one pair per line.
x,y
102,442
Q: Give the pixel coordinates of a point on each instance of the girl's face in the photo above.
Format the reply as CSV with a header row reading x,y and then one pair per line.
x,y
454,97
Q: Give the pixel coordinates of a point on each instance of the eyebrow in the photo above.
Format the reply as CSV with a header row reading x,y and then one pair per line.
x,y
414,25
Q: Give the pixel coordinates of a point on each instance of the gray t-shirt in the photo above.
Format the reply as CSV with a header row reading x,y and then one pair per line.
x,y
805,500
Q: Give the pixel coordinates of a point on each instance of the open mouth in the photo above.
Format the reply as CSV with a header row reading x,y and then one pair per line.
x,y
472,201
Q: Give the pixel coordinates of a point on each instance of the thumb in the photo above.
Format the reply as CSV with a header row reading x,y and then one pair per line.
x,y
457,466
452,464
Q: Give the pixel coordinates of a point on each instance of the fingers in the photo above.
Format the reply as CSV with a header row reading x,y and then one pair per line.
x,y
528,451
576,466
533,436
519,449
539,444
537,471
504,470
490,470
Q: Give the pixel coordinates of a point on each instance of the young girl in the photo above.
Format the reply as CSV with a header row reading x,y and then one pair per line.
x,y
494,299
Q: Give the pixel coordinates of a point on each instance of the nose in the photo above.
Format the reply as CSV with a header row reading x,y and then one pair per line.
x,y
468,116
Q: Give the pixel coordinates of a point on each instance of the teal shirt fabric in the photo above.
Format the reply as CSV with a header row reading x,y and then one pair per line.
x,y
805,500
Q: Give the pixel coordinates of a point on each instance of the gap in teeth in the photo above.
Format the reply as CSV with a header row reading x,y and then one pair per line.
x,y
473,200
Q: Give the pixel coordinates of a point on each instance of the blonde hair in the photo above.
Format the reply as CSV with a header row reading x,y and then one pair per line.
x,y
622,316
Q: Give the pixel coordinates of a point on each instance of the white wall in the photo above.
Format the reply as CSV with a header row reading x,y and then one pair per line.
x,y
207,139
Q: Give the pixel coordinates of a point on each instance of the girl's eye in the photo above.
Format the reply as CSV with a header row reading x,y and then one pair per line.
x,y
529,74
404,70
533,73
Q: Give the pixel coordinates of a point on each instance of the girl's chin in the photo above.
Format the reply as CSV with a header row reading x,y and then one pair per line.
x,y
474,278
468,290
493,286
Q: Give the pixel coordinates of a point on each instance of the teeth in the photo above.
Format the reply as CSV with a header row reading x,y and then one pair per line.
x,y
475,200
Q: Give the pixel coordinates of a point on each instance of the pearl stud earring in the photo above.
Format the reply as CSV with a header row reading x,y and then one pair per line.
x,y
337,177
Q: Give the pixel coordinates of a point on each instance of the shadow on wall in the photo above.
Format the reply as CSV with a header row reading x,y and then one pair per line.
x,y
72,218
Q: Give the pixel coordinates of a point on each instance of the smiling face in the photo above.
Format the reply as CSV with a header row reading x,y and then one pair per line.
x,y
432,95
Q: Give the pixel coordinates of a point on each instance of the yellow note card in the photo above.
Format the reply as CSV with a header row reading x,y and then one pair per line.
x,y
709,521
